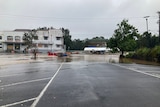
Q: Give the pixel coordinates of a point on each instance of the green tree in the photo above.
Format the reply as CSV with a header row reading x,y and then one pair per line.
x,y
124,37
67,38
112,43
78,44
96,41
147,40
28,39
86,42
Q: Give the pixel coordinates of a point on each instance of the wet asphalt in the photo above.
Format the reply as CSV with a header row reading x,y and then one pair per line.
x,y
79,81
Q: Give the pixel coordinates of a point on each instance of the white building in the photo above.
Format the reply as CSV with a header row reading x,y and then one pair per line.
x,y
1,42
12,40
48,40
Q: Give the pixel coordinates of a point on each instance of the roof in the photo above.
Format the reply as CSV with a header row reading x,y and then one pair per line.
x,y
23,30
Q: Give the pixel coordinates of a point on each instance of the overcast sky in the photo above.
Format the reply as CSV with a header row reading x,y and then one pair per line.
x,y
84,18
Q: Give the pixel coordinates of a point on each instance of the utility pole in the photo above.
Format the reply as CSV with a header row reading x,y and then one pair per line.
x,y
146,17
159,25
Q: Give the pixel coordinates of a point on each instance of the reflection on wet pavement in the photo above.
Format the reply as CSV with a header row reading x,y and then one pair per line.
x,y
78,78
82,58
91,58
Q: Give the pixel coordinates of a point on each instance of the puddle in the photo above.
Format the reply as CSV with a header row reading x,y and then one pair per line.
x,y
110,58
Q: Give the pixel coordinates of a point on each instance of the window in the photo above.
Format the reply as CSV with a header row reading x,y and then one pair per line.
x,y
45,38
17,38
0,37
58,46
17,47
10,38
45,45
0,45
40,45
23,44
58,38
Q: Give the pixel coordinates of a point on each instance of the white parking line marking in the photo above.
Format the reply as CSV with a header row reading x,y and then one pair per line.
x,y
142,72
10,75
20,102
25,82
45,88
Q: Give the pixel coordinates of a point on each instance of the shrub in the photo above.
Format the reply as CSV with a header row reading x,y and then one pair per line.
x,y
155,53
142,53
146,54
130,55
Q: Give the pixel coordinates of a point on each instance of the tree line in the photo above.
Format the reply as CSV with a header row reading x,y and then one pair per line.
x,y
126,38
78,44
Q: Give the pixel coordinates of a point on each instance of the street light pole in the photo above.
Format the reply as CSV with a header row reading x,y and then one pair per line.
x,y
159,25
146,17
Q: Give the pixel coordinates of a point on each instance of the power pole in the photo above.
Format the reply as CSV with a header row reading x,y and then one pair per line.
x,y
159,25
146,17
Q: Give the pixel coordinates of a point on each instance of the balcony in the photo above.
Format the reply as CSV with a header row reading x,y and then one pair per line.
x,y
13,41
58,42
43,42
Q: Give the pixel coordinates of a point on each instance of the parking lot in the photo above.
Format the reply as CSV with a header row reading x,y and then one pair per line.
x,y
78,81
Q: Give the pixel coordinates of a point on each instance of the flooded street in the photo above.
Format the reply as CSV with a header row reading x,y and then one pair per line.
x,y
79,80
108,58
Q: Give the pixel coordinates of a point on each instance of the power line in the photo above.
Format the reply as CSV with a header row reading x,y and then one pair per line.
x,y
75,18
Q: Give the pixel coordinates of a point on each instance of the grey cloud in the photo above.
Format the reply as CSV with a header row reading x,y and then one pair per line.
x,y
84,18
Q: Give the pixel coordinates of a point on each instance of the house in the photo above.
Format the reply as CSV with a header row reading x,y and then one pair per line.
x,y
49,40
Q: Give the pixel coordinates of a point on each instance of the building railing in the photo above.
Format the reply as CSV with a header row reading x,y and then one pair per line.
x,y
58,42
43,42
14,41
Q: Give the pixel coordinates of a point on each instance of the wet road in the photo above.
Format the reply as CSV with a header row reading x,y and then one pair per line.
x,y
80,81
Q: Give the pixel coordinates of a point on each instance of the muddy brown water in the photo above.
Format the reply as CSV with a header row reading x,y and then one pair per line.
x,y
110,58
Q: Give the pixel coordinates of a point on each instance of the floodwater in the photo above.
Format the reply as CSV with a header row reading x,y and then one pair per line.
x,y
114,58
108,58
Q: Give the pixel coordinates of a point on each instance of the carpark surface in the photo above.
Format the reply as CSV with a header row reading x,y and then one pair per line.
x,y
79,81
